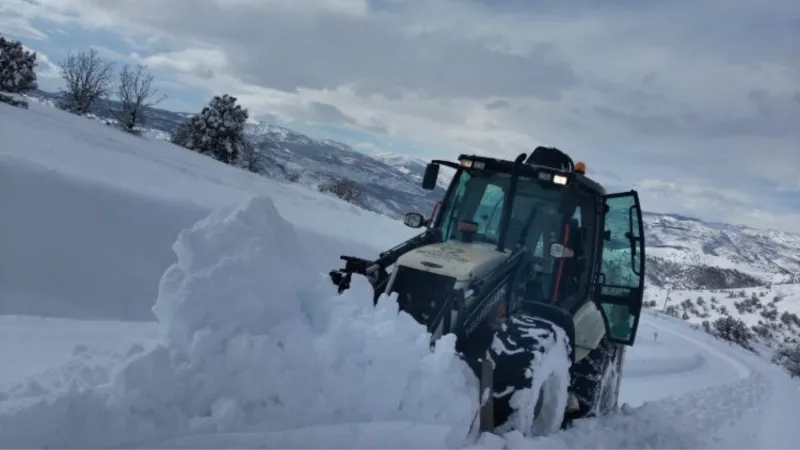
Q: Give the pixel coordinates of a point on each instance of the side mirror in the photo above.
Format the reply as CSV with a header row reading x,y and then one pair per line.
x,y
431,174
414,220
558,251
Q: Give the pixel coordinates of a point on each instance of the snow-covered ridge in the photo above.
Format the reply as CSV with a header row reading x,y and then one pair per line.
x,y
692,254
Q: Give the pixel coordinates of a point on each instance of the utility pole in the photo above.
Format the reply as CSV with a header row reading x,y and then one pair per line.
x,y
666,300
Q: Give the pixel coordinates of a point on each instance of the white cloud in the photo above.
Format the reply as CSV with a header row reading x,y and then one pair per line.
x,y
200,62
722,205
46,69
706,92
344,7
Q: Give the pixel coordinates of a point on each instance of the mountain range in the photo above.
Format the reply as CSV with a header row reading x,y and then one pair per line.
x,y
682,252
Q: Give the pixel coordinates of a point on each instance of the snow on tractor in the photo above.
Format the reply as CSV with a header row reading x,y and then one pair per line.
x,y
537,271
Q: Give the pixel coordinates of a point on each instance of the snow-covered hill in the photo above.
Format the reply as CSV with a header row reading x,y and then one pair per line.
x,y
391,183
771,314
691,254
683,253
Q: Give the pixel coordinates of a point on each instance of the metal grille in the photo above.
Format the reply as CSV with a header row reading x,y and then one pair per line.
x,y
421,294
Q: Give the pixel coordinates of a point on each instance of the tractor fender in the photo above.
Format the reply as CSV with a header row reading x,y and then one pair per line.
x,y
590,328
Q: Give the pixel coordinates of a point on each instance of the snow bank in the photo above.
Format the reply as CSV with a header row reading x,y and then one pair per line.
x,y
253,338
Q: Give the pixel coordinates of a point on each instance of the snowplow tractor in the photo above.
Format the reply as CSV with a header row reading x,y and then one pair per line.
x,y
537,271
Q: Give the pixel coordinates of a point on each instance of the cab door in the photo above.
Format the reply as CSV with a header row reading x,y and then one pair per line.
x,y
619,285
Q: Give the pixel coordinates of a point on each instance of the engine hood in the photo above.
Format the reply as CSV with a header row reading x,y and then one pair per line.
x,y
462,261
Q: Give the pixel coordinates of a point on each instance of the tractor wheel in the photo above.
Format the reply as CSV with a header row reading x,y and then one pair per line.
x,y
531,358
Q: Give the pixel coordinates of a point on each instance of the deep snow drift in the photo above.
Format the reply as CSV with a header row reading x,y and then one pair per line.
x,y
252,339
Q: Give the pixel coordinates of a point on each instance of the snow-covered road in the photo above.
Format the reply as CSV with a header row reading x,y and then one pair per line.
x,y
743,402
673,360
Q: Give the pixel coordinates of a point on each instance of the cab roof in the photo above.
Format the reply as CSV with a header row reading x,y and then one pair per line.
x,y
506,166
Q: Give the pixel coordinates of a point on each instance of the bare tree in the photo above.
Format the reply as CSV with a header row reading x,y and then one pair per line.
x,y
135,93
87,79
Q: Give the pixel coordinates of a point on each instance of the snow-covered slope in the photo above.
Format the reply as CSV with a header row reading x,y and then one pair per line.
x,y
683,252
86,235
390,186
414,167
772,314
248,346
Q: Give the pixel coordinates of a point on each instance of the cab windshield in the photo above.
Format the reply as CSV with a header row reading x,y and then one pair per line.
x,y
535,223
479,197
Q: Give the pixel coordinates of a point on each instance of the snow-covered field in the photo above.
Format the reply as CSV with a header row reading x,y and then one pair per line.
x,y
774,309
182,303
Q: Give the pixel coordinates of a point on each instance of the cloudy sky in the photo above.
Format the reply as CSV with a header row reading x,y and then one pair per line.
x,y
696,103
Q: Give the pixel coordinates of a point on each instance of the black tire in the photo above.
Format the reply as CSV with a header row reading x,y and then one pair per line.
x,y
595,380
519,348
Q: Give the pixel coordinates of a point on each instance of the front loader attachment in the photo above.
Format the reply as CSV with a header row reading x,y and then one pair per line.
x,y
341,277
376,271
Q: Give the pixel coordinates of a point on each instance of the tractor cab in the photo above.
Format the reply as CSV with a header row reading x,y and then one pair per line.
x,y
578,242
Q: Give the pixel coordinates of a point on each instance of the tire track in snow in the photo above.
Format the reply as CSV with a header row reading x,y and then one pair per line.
x,y
742,370
647,368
